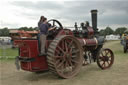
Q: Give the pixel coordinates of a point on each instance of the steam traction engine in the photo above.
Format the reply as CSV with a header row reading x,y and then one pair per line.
x,y
66,50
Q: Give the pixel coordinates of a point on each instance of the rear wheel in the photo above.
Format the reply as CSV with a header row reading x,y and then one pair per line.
x,y
105,58
65,56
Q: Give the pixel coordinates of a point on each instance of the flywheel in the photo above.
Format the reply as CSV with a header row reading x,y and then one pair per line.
x,y
65,56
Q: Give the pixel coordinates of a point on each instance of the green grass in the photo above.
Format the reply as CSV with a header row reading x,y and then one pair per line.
x,y
117,48
4,60
9,52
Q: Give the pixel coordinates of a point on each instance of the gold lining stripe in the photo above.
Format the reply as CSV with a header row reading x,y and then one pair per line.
x,y
94,12
84,41
96,42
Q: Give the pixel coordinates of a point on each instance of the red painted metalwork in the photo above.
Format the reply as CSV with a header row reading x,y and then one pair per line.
x,y
21,33
29,49
65,32
87,42
90,32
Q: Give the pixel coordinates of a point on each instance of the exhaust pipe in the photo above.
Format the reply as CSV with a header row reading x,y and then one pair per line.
x,y
94,20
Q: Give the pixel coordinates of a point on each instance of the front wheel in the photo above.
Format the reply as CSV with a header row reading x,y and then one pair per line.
x,y
105,58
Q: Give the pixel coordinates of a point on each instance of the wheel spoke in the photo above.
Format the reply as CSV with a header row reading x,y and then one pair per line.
x,y
62,43
108,62
67,64
60,64
103,64
61,69
57,51
66,48
69,60
76,51
59,57
74,61
57,61
61,49
100,59
107,53
70,43
70,66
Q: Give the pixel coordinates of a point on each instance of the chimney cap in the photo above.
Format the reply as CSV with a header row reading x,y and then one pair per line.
x,y
94,11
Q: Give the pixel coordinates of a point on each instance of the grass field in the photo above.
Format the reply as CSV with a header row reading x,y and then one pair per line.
x,y
88,75
118,50
8,52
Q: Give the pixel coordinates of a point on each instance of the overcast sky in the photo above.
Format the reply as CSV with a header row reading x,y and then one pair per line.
x,y
15,14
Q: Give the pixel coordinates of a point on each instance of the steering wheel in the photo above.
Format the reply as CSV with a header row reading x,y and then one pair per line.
x,y
55,23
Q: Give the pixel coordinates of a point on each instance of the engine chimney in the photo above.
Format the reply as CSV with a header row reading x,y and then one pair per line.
x,y
94,20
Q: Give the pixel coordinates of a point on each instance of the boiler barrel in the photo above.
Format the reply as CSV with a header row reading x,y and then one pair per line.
x,y
89,42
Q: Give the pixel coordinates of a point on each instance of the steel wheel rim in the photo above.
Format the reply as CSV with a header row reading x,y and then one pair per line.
x,y
67,60
105,58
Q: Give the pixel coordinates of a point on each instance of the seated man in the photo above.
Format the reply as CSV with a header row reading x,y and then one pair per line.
x,y
44,28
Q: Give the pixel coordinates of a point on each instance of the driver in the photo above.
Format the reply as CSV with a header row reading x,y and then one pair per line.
x,y
44,28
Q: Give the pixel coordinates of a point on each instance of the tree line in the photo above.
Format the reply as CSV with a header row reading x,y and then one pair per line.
x,y
109,31
5,31
103,32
